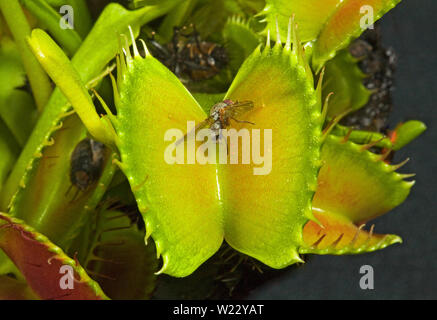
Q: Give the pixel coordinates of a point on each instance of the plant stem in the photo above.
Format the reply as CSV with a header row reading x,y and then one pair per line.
x,y
82,18
20,29
63,73
69,39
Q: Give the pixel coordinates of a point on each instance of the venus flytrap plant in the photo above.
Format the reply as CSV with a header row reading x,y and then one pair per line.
x,y
278,80
50,203
89,63
337,235
313,195
56,64
114,239
240,41
14,102
338,32
20,29
69,39
175,18
403,134
155,97
83,19
354,186
152,100
13,289
9,150
32,252
344,79
186,227
406,132
362,137
59,211
349,168
331,24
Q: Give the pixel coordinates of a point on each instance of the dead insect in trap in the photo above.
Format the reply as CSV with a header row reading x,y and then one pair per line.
x,y
189,56
86,163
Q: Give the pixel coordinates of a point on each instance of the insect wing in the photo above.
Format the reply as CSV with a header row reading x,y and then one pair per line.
x,y
238,109
205,123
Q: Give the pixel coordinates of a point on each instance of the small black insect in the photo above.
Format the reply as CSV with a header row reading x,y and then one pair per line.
x,y
86,163
189,56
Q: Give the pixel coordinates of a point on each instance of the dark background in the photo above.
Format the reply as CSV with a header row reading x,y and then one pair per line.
x,y
408,270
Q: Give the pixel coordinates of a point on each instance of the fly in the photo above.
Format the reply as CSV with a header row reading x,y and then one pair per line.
x,y
86,163
220,116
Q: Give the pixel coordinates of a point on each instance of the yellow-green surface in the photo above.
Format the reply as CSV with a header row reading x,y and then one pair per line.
x,y
264,214
356,183
179,202
189,208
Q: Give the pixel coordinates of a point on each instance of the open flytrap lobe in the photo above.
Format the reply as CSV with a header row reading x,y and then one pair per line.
x,y
151,100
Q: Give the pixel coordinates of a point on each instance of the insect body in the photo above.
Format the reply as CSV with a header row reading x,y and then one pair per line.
x,y
190,56
221,114
203,60
86,163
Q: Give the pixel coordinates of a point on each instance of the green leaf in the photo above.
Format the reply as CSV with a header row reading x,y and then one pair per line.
x,y
17,108
251,6
13,289
344,79
175,18
210,18
189,208
406,132
264,214
88,62
11,68
179,203
332,23
240,41
40,261
118,259
12,109
20,29
83,21
402,135
69,39
82,18
355,186
9,151
362,137
135,4
336,234
310,15
68,80
356,183
48,201
344,25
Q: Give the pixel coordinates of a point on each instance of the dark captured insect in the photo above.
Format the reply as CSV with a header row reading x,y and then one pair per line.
x,y
221,114
189,56
379,64
86,163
